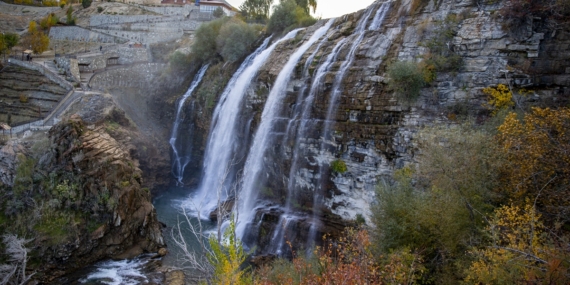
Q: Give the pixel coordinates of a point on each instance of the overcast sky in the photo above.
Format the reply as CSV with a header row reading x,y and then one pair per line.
x,y
328,8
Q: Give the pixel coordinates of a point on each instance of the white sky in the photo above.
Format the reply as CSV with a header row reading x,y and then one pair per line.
x,y
328,8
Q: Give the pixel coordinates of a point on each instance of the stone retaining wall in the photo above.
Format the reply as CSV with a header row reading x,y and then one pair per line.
x,y
69,66
144,37
183,10
94,63
46,72
138,75
132,55
75,33
104,20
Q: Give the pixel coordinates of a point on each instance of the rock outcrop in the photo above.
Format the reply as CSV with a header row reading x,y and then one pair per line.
x,y
123,225
80,194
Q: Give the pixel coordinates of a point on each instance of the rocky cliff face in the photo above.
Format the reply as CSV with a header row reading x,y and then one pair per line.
x,y
372,132
128,225
83,197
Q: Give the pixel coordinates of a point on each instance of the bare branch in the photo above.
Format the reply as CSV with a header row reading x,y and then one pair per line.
x,y
15,272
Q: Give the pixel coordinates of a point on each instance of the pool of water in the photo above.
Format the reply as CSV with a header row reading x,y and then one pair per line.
x,y
142,269
169,210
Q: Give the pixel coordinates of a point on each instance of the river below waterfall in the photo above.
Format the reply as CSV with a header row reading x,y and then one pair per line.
x,y
168,208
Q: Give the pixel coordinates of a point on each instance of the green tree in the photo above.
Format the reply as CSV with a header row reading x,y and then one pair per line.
x,y
11,40
307,5
86,3
256,10
438,210
288,15
218,13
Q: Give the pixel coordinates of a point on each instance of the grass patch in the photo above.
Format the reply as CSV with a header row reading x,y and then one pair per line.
x,y
55,226
339,166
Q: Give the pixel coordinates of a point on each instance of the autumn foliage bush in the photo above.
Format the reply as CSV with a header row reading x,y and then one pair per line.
x,y
348,260
500,98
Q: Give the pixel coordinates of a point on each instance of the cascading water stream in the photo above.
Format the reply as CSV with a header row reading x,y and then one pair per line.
x,y
380,15
254,164
222,145
180,161
299,135
360,31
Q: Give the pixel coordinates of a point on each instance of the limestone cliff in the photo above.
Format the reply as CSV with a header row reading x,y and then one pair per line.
x,y
372,131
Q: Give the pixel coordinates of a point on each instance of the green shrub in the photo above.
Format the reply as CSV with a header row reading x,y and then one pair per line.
x,y
214,82
99,9
338,166
70,20
56,226
406,79
179,61
205,46
230,38
360,220
441,55
433,223
235,39
86,3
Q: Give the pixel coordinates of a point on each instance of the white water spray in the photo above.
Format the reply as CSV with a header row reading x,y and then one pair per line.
x,y
255,161
222,142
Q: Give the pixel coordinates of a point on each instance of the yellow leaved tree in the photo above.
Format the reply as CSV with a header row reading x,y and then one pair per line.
x,y
538,160
36,38
519,252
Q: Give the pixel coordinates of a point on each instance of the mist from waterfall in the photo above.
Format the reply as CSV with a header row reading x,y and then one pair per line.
x,y
254,165
223,146
181,154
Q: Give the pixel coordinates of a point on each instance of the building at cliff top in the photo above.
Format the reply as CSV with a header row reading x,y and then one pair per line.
x,y
209,6
206,6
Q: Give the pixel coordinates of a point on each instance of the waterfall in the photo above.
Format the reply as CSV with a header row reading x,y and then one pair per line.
x,y
222,147
380,15
360,31
254,165
180,161
304,121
